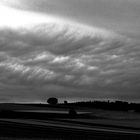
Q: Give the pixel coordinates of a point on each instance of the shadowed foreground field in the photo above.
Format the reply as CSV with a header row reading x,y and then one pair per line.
x,y
32,123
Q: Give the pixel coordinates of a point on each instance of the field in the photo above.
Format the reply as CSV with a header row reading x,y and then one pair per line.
x,y
26,121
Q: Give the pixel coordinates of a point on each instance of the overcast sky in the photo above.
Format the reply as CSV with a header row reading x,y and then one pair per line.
x,y
69,49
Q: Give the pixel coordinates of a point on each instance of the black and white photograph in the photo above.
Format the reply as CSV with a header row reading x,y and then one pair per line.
x,y
69,69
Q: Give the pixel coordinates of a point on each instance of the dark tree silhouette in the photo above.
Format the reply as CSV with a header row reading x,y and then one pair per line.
x,y
52,101
65,102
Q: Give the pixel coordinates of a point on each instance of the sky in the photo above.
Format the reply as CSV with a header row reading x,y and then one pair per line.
x,y
69,49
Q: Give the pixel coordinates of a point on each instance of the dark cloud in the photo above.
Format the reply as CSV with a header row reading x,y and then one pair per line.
x,y
77,61
46,55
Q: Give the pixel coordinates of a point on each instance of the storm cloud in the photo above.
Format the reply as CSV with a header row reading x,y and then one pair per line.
x,y
64,58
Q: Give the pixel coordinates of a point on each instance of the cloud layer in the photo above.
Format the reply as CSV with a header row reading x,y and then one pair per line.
x,y
90,61
43,55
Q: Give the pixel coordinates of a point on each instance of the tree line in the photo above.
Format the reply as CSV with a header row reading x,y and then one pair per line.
x,y
108,105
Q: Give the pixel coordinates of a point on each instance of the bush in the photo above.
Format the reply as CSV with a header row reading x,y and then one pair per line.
x,y
72,112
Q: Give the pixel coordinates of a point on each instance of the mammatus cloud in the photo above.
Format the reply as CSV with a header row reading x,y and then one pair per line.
x,y
53,57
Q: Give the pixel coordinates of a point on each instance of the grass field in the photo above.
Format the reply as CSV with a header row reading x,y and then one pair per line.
x,y
54,122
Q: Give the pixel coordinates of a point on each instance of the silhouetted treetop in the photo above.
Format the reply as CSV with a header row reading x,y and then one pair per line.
x,y
52,101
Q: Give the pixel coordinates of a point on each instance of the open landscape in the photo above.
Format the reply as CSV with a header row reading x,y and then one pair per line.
x,y
54,122
69,69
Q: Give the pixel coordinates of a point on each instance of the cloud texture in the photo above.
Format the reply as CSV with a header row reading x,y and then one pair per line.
x,y
67,59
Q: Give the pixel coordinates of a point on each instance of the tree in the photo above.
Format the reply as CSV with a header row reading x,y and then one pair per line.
x,y
65,102
52,101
